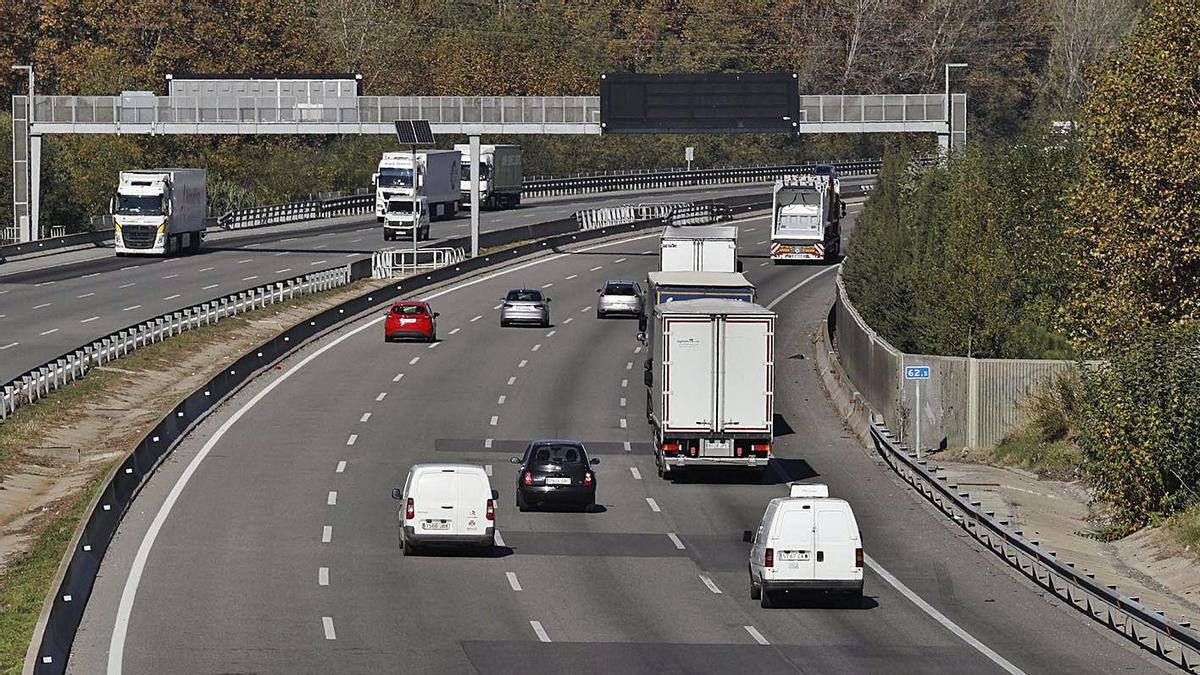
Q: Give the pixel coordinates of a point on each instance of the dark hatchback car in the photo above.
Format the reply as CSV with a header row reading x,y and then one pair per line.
x,y
556,473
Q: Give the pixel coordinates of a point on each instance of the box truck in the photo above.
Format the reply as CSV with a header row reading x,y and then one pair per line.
x,y
699,248
709,376
806,219
159,211
436,174
500,176
673,286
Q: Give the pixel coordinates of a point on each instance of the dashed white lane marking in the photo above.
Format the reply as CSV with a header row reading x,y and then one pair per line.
x,y
536,347
512,380
171,297
499,539
250,278
332,499
516,585
764,263
573,276
11,344
414,360
712,586
352,439
205,288
455,331
941,618
286,269
675,540
131,307
623,423
779,298
90,275
85,295
653,504
597,267
648,252
764,241
243,262
487,443
568,320
206,269
523,363
326,534
487,468
629,366
351,255
477,318
637,350
541,632
500,401
382,395
282,253
45,283
622,403
619,260
758,637
550,334
498,306
288,239
355,241
341,467
398,377
628,447
624,383
319,262
585,310
433,345
44,304
322,576
128,267
748,229
495,420
327,621
318,248
365,416
47,332
548,285
132,283
637,475
89,319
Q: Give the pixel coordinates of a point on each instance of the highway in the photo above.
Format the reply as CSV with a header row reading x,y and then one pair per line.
x,y
268,542
55,304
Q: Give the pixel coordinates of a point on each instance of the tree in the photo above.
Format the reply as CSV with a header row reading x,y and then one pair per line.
x,y
1084,31
1136,230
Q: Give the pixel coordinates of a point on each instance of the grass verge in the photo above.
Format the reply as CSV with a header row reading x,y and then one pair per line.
x,y
1184,528
1059,460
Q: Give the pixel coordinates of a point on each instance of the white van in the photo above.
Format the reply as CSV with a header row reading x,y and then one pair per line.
x,y
806,541
451,504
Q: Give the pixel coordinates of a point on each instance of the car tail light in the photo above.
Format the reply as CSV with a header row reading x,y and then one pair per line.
x,y
409,510
769,558
507,306
587,479
539,307
527,478
858,557
491,511
670,447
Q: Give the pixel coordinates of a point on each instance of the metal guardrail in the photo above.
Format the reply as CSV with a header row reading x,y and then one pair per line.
x,y
393,262
1149,629
41,381
280,214
672,213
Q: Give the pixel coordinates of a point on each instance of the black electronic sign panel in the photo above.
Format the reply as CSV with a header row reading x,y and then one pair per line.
x,y
699,103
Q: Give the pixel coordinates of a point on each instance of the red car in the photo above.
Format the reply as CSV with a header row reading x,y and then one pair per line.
x,y
410,319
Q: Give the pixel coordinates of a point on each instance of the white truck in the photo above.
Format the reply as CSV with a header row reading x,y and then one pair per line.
x,y
159,211
436,179
806,218
699,248
709,376
500,176
401,214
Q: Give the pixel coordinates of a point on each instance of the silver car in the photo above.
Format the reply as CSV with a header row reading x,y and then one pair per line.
x,y
524,305
619,297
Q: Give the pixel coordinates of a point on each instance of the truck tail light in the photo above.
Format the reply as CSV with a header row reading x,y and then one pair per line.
x,y
409,510
737,451
762,449
491,511
527,478
769,558
670,447
858,558
694,450
587,479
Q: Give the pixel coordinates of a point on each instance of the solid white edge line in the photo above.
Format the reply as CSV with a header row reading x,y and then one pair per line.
x,y
116,647
512,581
541,632
779,298
758,637
941,618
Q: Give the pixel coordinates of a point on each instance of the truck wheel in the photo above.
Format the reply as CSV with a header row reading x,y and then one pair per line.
x,y
767,599
410,549
755,590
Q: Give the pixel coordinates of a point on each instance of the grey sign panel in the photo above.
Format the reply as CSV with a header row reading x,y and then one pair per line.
x,y
723,103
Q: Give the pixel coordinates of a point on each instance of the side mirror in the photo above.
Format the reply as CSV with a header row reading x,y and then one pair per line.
x,y
641,337
843,209
436,314
595,461
547,299
495,494
397,493
514,460
747,536
642,322
599,291
648,378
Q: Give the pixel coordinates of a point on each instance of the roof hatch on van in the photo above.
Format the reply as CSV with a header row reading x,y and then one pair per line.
x,y
809,490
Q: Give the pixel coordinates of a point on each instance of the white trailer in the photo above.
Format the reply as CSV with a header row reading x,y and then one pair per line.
x,y
709,376
159,211
699,248
436,172
500,175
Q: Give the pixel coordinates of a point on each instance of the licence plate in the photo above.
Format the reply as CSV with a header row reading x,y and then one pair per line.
x,y
404,321
435,525
558,481
717,447
793,555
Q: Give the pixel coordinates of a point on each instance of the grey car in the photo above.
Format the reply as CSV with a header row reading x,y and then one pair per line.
x,y
619,296
525,305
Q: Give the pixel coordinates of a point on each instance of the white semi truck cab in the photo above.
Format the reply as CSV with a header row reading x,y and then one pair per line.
x,y
159,211
806,219
434,176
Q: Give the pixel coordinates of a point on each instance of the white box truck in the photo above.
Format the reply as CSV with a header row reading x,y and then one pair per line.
x,y
436,172
159,211
709,376
806,219
699,248
500,176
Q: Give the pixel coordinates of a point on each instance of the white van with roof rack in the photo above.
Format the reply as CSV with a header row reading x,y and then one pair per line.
x,y
806,541
446,504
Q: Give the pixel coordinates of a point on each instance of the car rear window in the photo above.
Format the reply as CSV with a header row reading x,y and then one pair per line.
x,y
558,454
525,296
409,310
619,289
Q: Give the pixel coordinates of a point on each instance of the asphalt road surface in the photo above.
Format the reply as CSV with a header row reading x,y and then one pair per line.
x,y
268,542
